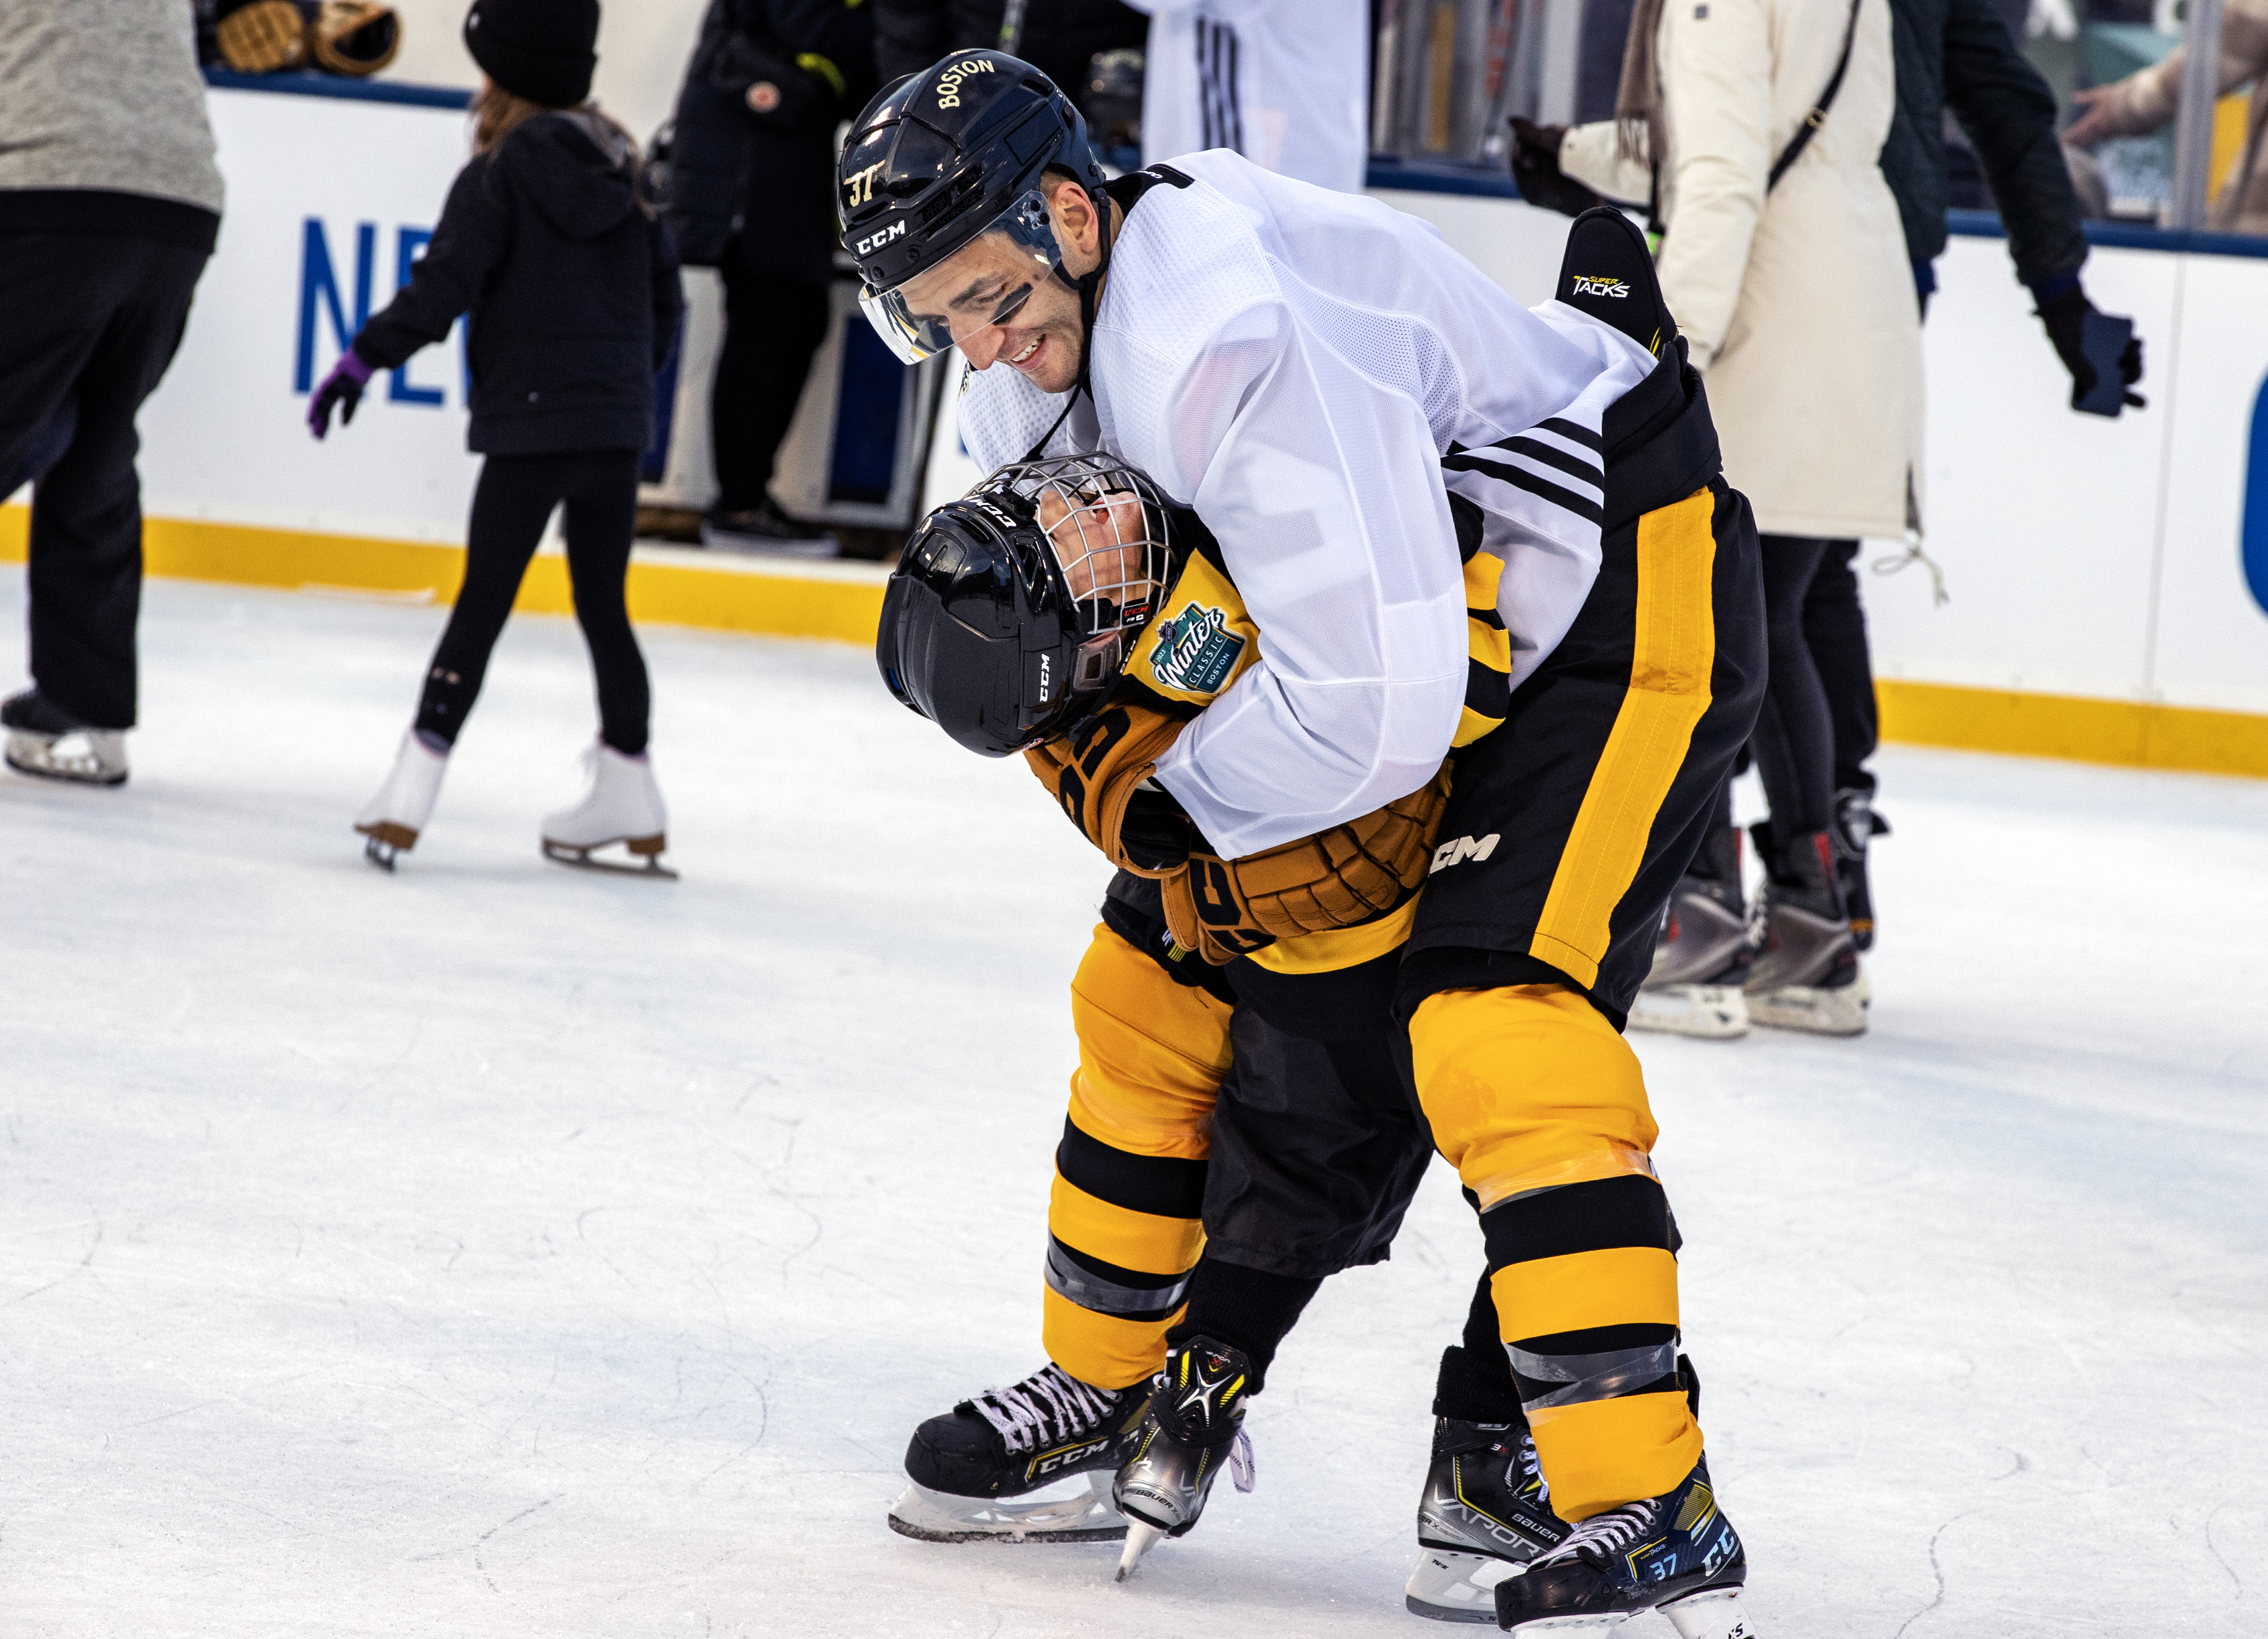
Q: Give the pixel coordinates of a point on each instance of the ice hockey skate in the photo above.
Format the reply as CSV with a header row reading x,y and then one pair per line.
x,y
1676,1553
1856,826
1195,1425
1806,975
391,820
1702,960
1033,1463
1486,1515
624,806
43,739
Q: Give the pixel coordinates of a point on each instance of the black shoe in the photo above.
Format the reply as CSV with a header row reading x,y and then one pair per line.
x,y
1857,825
763,527
1486,1514
994,1467
1676,1553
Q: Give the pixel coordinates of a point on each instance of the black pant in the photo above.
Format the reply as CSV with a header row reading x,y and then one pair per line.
x,y
90,322
509,507
772,327
1835,630
1795,740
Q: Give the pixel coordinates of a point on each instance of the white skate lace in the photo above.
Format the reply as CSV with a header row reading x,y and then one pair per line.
x,y
1048,1405
1602,1536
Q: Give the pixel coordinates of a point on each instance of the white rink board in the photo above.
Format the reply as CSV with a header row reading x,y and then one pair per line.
x,y
2082,556
498,1251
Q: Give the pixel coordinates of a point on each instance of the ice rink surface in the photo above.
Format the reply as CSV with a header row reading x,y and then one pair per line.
x,y
497,1249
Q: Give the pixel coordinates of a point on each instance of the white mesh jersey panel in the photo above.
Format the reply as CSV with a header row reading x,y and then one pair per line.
x,y
1295,363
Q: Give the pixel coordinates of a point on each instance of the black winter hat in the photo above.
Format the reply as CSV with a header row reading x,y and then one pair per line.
x,y
539,49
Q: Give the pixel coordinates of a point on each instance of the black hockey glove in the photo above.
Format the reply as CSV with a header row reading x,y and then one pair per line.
x,y
1099,773
2065,317
1535,169
341,390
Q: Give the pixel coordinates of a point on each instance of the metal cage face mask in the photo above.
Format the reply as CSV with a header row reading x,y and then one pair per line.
x,y
915,336
1109,532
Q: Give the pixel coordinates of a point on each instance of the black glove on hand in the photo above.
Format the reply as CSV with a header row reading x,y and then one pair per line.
x,y
1535,169
1156,833
2066,318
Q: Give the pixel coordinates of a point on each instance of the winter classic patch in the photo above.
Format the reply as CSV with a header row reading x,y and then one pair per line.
x,y
1196,650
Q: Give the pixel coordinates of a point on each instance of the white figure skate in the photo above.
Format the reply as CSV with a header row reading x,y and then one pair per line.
x,y
392,819
44,740
624,806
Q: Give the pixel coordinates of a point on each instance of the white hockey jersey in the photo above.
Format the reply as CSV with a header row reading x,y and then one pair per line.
x,y
1296,364
1285,82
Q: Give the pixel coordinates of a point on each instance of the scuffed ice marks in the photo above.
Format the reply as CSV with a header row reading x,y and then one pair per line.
x,y
499,1249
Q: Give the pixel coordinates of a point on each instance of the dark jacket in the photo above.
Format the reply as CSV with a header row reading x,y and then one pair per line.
x,y
1958,53
763,184
571,288
1059,37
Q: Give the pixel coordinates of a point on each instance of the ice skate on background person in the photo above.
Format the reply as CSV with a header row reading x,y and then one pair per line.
x,y
1806,975
1703,956
623,805
1194,1428
390,821
1676,1553
43,739
1031,1463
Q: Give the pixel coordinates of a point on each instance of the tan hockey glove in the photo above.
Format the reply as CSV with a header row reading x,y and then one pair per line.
x,y
1223,909
262,36
1097,774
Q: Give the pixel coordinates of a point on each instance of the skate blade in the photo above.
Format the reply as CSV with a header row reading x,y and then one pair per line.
x,y
648,848
1713,1614
1141,1535
1838,1011
1710,1012
1447,1586
1057,1513
35,754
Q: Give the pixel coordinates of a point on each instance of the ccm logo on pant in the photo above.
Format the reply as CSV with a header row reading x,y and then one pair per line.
x,y
1462,849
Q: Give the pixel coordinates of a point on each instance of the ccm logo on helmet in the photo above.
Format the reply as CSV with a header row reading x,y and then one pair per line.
x,y
1462,849
948,84
875,241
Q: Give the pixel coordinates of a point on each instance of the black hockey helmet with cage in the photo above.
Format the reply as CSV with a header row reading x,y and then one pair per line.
x,y
942,156
1006,631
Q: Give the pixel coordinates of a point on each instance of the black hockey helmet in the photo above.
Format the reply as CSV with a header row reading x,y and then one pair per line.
x,y
1005,631
942,156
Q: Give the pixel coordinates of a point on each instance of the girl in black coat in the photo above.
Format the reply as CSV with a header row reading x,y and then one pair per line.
x,y
570,282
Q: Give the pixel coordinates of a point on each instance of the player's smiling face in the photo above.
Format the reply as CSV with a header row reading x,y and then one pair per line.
x,y
1004,309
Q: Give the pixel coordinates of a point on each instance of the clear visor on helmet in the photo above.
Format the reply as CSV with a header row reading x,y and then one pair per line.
x,y
983,284
1106,525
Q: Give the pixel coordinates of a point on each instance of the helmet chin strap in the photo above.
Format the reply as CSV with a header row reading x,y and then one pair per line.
x,y
1089,286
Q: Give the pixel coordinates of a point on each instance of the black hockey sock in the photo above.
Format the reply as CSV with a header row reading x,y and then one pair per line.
x,y
1247,1308
1476,1383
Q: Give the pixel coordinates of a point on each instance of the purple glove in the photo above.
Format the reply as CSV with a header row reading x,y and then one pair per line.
x,y
342,388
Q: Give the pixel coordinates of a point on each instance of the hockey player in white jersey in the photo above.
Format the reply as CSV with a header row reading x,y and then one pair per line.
x,y
1443,526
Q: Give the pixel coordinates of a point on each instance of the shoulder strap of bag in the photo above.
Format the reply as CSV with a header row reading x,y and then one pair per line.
x,y
1818,117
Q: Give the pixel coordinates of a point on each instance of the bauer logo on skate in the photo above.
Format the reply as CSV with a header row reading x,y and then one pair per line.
x,y
1462,849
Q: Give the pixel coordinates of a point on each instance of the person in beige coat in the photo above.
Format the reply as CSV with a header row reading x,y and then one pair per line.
x,y
1796,302
2148,99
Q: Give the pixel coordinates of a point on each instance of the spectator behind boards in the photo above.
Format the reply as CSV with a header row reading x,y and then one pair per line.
x,y
1285,82
109,204
2147,99
1754,126
571,284
752,170
1060,38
